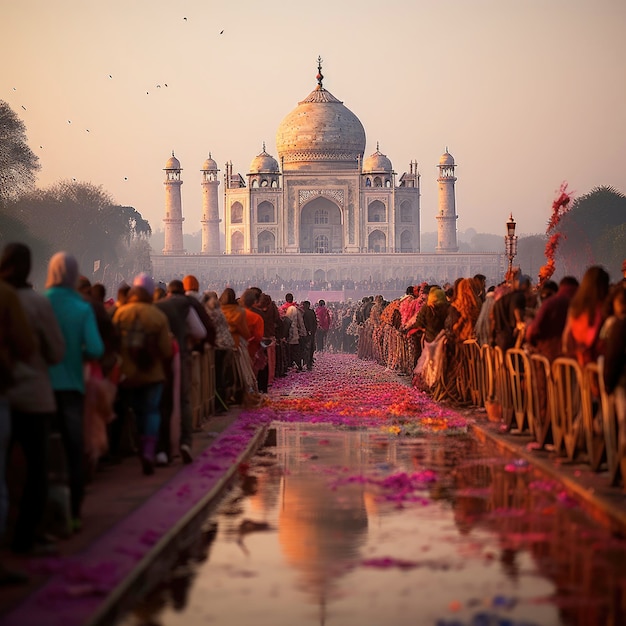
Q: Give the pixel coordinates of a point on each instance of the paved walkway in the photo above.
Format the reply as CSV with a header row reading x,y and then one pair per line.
x,y
125,530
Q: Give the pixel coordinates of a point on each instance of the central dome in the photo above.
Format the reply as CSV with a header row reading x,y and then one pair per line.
x,y
320,133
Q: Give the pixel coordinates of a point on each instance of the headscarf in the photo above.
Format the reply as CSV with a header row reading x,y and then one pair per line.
x,y
191,283
436,296
62,271
145,281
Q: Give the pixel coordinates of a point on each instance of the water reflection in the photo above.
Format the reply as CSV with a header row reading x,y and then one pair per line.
x,y
357,527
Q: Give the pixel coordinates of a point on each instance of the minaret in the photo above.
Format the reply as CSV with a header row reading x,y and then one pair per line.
x,y
173,208
210,209
446,216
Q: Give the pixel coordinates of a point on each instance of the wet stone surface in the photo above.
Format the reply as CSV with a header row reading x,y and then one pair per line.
x,y
332,524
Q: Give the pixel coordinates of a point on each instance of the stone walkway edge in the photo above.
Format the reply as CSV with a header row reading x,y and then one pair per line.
x,y
597,498
93,587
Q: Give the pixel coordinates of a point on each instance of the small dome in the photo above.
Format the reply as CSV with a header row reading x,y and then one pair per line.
x,y
446,158
264,163
172,163
209,165
377,163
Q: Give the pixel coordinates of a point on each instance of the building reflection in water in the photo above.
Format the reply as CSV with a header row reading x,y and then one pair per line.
x,y
315,497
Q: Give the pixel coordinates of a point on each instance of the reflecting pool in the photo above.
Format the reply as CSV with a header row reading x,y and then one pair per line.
x,y
339,526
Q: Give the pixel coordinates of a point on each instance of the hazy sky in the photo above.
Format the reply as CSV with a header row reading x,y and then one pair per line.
x,y
525,94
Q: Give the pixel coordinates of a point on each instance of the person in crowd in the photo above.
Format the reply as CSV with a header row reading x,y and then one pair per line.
x,y
268,310
544,333
615,308
431,318
31,398
122,295
256,326
323,325
483,323
224,346
459,327
235,316
188,330
548,289
586,314
297,331
82,342
508,314
145,344
160,292
377,310
308,344
238,326
479,282
191,287
614,374
17,343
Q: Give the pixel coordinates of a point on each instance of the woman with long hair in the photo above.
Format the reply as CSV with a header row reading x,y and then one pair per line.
x,y
586,314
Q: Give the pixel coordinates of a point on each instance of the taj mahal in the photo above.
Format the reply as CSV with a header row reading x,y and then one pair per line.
x,y
319,211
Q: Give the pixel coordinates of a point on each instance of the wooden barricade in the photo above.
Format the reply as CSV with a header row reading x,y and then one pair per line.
x,y
503,387
567,425
593,421
518,366
202,385
474,371
541,398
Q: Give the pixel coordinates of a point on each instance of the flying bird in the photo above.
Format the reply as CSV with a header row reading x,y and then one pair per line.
x,y
24,107
221,32
87,129
125,177
110,76
158,86
69,121
185,19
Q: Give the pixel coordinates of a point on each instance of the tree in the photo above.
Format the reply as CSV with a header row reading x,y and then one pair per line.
x,y
593,229
82,219
18,163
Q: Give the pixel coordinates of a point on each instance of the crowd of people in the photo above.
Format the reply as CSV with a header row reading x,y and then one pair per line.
x,y
583,320
99,372
111,377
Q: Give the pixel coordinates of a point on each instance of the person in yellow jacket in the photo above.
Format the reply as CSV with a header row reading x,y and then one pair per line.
x,y
145,344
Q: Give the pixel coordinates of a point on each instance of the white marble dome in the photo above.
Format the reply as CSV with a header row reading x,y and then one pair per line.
x,y
172,163
446,158
264,163
377,163
320,133
209,165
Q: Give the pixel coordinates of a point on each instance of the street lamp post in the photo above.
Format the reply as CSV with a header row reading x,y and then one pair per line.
x,y
510,243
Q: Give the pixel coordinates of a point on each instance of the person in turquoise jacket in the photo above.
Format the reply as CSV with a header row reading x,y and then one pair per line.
x,y
82,342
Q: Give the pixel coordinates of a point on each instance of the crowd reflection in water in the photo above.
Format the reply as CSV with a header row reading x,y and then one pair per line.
x,y
511,513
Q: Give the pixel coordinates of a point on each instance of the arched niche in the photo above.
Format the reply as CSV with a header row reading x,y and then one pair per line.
x,y
377,242
406,241
265,212
266,242
376,212
236,213
236,242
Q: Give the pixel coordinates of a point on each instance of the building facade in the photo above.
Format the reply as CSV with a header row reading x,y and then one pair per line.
x,y
322,201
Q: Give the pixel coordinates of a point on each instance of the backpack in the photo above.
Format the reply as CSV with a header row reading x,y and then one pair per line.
x,y
141,345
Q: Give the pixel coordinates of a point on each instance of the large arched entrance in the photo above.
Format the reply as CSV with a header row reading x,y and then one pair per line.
x,y
320,227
